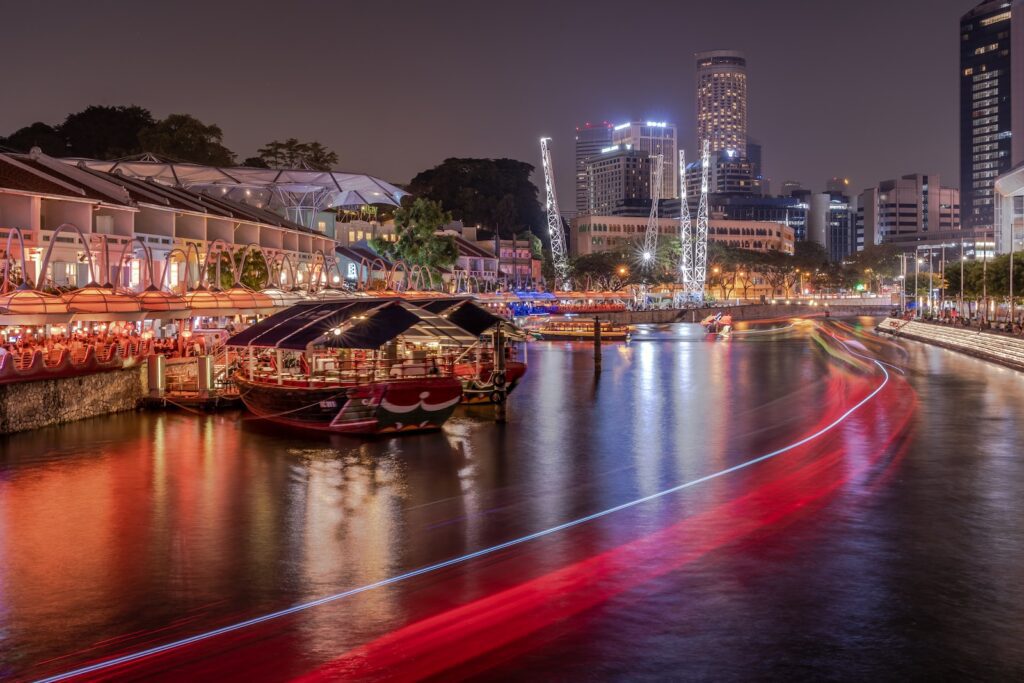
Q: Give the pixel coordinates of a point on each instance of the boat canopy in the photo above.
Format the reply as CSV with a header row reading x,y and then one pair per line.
x,y
351,324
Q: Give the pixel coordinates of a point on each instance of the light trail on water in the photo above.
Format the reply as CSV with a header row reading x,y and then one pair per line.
x,y
241,625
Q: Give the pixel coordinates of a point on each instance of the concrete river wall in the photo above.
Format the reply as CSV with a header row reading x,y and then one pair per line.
x,y
30,405
996,348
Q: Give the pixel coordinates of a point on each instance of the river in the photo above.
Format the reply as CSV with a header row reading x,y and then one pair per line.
x,y
774,505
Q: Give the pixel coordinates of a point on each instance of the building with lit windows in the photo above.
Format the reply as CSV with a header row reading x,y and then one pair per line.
x,y
590,140
722,100
728,173
914,209
593,233
619,182
653,137
985,107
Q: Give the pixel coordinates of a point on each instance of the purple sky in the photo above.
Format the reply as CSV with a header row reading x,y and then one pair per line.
x,y
864,88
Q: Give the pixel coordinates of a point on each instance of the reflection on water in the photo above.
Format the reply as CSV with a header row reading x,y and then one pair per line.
x,y
128,531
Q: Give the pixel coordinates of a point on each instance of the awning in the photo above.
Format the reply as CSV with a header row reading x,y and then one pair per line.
x,y
353,323
303,324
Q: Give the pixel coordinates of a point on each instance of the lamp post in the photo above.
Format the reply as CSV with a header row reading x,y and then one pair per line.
x,y
962,257
916,271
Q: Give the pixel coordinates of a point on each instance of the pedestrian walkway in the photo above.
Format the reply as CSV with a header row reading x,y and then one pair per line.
x,y
997,348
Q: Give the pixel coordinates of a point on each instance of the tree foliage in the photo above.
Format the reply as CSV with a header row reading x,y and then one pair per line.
x,y
986,279
186,138
102,132
294,154
39,134
254,274
417,240
490,192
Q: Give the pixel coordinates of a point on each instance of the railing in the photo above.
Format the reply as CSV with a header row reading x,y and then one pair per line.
x,y
38,364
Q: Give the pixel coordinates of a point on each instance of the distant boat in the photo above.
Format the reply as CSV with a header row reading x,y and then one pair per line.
x,y
583,330
717,323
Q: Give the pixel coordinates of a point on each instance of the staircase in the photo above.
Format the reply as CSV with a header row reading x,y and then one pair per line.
x,y
997,348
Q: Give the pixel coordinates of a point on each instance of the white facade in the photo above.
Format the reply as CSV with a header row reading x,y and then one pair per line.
x,y
114,221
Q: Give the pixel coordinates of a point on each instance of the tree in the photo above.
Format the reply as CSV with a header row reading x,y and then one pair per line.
x,y
181,137
417,240
41,135
255,162
101,132
294,154
492,192
254,275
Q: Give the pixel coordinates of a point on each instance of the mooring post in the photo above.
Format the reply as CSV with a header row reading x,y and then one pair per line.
x,y
597,344
501,391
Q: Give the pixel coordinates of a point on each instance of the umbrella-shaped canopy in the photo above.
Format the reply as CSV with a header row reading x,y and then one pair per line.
x,y
164,304
94,302
332,188
26,306
282,298
246,300
234,301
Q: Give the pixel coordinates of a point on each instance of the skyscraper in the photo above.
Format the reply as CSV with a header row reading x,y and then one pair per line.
x,y
722,100
590,140
619,182
985,108
653,137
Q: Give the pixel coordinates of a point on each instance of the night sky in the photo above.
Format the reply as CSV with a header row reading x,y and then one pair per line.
x,y
865,88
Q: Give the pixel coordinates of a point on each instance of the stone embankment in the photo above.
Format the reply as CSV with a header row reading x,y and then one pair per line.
x,y
742,312
997,348
30,405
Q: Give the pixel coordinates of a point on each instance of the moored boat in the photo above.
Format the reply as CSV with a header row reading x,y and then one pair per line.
x,y
490,369
367,366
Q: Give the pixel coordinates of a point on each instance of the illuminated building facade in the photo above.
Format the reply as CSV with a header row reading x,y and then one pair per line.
x,y
722,100
590,140
619,182
653,137
985,108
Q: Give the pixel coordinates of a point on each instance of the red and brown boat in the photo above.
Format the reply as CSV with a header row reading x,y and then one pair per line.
x,y
366,366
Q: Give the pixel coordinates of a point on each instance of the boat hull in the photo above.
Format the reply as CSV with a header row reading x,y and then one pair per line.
x,y
403,405
477,391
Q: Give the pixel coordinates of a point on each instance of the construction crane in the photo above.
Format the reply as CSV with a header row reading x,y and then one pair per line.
x,y
558,251
650,248
700,245
685,230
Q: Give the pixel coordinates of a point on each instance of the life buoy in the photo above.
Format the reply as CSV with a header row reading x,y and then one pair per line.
x,y
499,379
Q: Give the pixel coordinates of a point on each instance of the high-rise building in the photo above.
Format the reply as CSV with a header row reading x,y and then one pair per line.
x,y
722,100
759,177
830,223
653,137
728,173
590,140
914,209
985,108
619,182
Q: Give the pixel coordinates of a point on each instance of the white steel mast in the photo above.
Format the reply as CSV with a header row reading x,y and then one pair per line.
x,y
700,247
685,230
559,254
651,235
